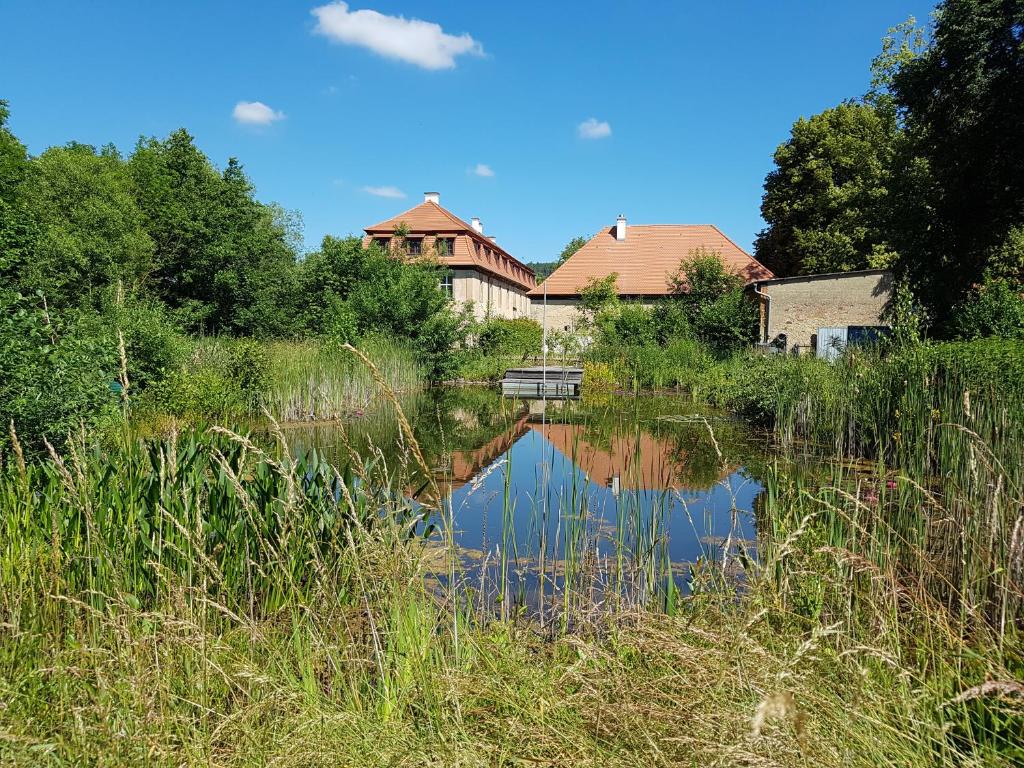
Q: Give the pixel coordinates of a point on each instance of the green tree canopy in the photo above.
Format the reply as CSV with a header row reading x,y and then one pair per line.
x,y
571,247
223,261
963,104
826,201
91,233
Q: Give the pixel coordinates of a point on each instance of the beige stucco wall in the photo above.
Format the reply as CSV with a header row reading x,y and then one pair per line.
x,y
562,314
489,294
799,308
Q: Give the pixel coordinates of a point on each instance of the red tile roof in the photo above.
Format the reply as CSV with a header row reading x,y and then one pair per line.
x,y
646,258
472,250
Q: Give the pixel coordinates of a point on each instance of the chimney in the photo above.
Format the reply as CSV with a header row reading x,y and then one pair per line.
x,y
477,226
493,239
620,227
432,197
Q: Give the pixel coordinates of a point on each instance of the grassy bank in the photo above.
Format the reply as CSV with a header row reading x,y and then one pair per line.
x,y
222,379
204,599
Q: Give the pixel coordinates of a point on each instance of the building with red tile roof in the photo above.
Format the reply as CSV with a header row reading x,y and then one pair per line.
x,y
481,271
644,257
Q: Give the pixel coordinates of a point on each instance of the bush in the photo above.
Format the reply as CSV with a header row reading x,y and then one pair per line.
x,y
520,336
56,372
627,324
995,309
154,345
249,369
206,385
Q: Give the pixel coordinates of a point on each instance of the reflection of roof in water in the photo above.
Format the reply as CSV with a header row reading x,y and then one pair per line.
x,y
639,461
465,465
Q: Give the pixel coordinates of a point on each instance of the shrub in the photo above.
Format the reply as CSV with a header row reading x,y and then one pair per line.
x,y
56,372
249,369
994,309
520,336
154,345
711,300
632,324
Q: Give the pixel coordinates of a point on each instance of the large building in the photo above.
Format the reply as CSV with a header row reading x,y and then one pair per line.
x,y
481,271
644,257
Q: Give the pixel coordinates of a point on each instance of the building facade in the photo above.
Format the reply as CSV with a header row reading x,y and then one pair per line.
x,y
644,258
793,309
480,272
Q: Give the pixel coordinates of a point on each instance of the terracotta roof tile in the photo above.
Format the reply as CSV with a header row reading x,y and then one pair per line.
x,y
646,258
471,250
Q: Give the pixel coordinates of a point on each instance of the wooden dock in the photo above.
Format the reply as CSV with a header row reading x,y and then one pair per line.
x,y
555,381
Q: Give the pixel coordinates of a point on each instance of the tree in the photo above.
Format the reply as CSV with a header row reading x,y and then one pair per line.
x,y
962,101
90,231
223,262
711,299
826,201
14,162
570,248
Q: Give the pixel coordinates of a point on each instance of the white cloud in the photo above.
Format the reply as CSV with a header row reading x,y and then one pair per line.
x,y
255,113
482,169
422,43
593,128
393,192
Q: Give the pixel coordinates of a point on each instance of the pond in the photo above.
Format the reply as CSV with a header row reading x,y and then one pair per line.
x,y
567,504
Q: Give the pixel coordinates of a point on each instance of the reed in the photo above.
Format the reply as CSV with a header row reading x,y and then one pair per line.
x,y
216,598
318,381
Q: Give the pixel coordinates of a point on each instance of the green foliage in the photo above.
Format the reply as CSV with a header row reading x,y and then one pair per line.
x,y
963,102
222,259
154,345
570,248
599,294
14,163
521,336
711,300
55,372
627,323
249,369
91,233
826,201
993,309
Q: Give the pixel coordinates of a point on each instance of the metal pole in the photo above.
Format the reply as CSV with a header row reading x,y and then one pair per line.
x,y
544,345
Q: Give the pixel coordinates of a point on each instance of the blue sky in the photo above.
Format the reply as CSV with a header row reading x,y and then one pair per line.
x,y
667,112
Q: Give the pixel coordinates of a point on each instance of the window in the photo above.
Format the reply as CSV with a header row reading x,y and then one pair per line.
x,y
415,246
447,284
445,246
383,243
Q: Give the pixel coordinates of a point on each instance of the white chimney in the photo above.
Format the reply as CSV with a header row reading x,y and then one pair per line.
x,y
477,226
620,227
432,197
493,239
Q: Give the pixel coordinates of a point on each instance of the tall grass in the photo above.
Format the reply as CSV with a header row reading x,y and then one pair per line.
x,y
217,599
315,381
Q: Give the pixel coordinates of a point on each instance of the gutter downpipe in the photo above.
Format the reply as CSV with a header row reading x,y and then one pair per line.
x,y
767,310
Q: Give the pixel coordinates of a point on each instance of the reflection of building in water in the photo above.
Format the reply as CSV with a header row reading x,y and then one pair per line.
x,y
462,466
632,462
627,463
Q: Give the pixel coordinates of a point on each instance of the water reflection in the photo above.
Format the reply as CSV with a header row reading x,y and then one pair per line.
x,y
576,502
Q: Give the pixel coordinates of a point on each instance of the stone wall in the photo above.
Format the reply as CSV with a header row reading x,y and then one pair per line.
x,y
800,306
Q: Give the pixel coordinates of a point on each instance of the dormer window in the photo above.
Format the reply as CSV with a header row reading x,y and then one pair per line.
x,y
445,246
